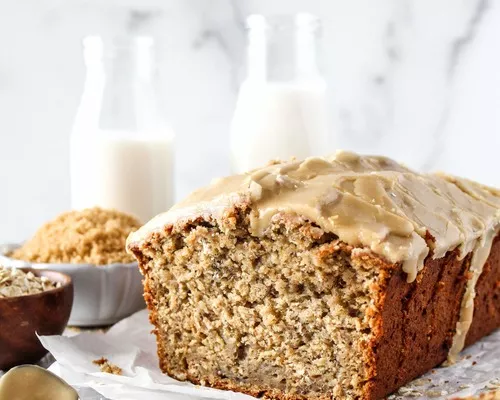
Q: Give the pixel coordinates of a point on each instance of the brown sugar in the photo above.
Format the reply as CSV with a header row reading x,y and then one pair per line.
x,y
107,366
91,236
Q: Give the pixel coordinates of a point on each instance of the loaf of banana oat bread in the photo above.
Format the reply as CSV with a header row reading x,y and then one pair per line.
x,y
339,277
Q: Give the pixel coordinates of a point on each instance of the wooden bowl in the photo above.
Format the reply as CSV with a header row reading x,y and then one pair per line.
x,y
45,313
104,294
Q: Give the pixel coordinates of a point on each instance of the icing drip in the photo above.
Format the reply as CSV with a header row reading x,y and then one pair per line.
x,y
478,260
367,201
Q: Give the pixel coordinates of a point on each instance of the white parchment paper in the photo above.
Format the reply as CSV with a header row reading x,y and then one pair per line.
x,y
131,346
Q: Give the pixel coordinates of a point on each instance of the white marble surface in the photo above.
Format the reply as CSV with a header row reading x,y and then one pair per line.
x,y
414,79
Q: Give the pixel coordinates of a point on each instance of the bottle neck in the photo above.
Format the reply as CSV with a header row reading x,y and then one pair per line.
x,y
283,49
125,60
121,85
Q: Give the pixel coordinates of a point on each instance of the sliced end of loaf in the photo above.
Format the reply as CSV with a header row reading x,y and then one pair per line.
x,y
289,314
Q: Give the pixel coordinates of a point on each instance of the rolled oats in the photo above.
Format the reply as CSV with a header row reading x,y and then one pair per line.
x,y
15,282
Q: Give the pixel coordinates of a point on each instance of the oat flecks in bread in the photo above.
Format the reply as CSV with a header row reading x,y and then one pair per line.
x,y
91,236
299,329
314,278
15,282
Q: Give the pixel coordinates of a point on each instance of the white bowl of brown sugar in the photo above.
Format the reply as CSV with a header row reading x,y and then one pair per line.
x,y
88,245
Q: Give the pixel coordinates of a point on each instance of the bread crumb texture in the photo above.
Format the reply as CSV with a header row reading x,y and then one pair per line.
x,y
91,236
107,367
286,312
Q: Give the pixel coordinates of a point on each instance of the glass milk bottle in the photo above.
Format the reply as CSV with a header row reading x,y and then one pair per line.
x,y
121,147
281,107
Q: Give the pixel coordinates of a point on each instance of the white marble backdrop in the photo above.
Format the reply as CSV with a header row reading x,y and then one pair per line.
x,y
418,80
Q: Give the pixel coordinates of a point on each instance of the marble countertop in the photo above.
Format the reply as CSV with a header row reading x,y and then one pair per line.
x,y
414,80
